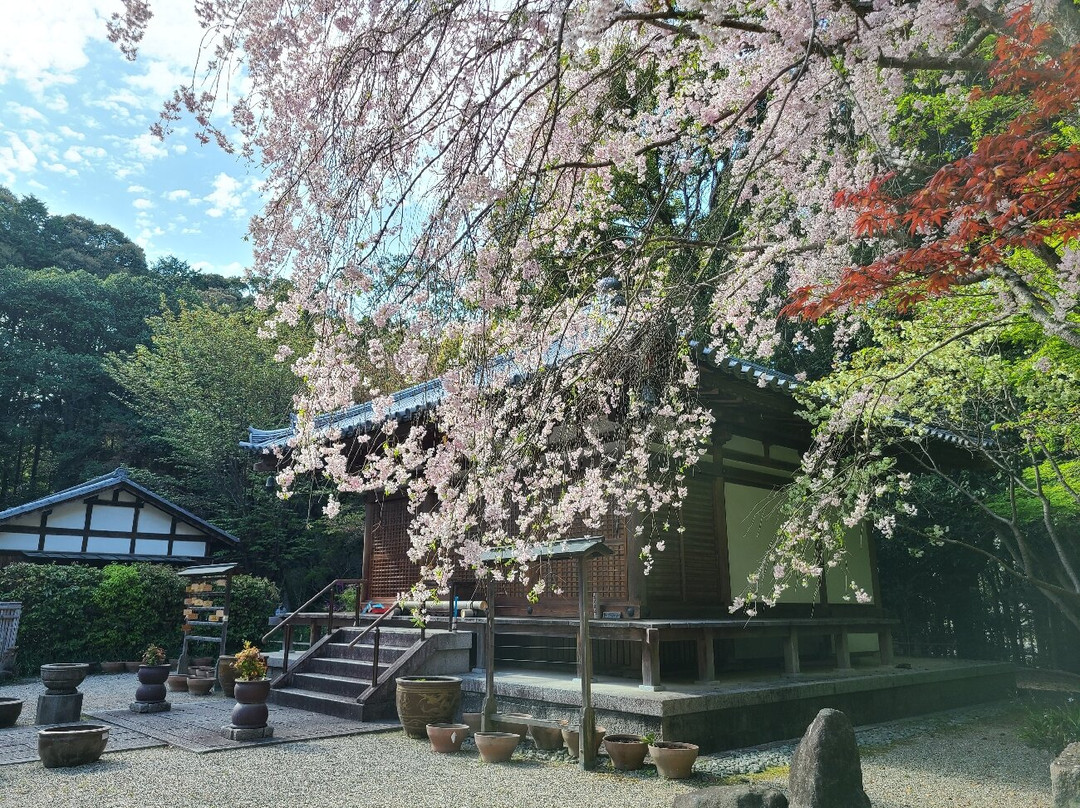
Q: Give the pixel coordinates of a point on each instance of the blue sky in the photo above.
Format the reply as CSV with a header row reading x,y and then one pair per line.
x,y
74,120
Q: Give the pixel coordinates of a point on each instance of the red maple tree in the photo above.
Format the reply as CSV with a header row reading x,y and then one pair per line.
x,y
1018,189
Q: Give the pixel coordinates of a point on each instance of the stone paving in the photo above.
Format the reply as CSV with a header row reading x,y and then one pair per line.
x,y
196,726
19,744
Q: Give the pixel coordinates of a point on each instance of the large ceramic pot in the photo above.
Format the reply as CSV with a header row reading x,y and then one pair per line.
x,y
71,745
627,752
250,711
423,700
9,711
674,761
226,674
152,683
63,677
177,682
496,747
447,738
198,685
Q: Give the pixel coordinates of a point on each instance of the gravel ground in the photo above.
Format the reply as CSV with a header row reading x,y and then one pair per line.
x,y
968,757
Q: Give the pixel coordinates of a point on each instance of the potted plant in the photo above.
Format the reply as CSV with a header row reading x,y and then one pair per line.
x,y
674,761
152,673
627,752
251,689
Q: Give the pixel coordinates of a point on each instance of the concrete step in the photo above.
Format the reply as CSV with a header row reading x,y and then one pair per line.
x,y
329,684
340,706
363,651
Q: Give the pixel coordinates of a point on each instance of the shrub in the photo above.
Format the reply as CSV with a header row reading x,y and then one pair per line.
x,y
138,604
251,603
1052,727
58,611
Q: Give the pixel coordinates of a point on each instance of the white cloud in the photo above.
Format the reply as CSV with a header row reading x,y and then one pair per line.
x,y
226,198
60,168
147,147
69,133
178,195
137,189
72,155
24,113
142,204
16,158
43,43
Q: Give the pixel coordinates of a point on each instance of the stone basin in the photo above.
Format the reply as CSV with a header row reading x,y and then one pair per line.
x,y
63,677
9,711
71,745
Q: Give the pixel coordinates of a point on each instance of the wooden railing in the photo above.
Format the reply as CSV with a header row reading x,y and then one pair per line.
x,y
286,625
375,625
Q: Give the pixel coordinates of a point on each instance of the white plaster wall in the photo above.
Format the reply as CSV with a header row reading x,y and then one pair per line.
x,y
63,544
189,548
854,569
110,517
69,514
753,521
18,541
101,544
152,546
154,520
183,528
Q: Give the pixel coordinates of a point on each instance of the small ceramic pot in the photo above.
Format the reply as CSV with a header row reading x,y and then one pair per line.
x,y
113,667
508,724
674,761
571,738
473,720
496,747
63,677
547,738
132,667
177,682
627,752
199,685
447,738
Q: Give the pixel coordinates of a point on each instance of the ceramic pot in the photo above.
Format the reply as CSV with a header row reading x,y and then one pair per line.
x,y
447,737
152,683
132,667
226,674
496,747
63,677
250,711
177,682
71,745
113,667
547,738
199,685
9,711
627,752
674,761
202,661
508,724
571,739
473,720
423,700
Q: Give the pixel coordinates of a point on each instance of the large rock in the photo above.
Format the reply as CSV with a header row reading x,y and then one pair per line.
x,y
825,769
1065,777
740,796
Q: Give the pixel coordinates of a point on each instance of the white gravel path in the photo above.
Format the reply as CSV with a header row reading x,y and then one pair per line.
x,y
968,757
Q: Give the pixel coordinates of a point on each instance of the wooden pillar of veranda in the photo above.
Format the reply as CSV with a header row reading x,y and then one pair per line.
x,y
486,723
587,724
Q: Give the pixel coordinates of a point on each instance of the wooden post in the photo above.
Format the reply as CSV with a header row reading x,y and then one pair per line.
x,y
843,654
885,648
650,660
705,656
486,724
587,726
791,652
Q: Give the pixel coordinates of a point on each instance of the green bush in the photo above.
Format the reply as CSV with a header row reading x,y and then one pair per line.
x,y
58,611
251,603
138,605
1052,727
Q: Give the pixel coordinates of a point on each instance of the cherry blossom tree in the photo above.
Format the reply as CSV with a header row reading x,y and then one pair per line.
x,y
448,183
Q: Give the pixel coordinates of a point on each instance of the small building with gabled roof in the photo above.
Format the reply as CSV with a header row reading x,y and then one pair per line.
x,y
108,519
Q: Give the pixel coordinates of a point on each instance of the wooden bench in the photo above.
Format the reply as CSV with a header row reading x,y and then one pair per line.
x,y
650,633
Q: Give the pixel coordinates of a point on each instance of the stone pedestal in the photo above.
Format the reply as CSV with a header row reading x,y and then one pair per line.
x,y
149,706
246,733
59,708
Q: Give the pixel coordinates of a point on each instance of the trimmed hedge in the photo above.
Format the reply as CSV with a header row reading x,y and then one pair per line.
x,y
74,613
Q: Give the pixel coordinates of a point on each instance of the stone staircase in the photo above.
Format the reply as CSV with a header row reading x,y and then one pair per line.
x,y
333,679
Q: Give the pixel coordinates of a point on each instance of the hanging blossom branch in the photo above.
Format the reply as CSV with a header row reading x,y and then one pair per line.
x,y
447,182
